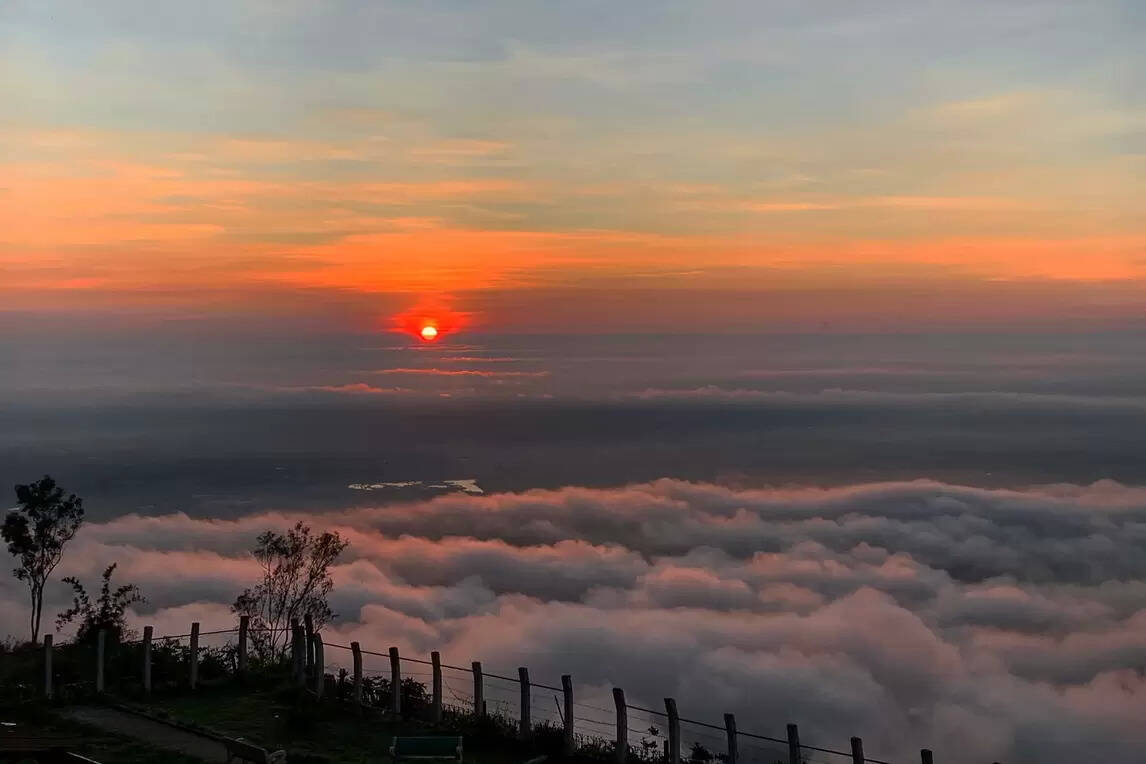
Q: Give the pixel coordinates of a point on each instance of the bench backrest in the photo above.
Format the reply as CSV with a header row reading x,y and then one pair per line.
x,y
439,747
246,751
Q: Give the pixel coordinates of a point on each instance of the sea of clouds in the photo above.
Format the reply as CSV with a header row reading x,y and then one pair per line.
x,y
1004,625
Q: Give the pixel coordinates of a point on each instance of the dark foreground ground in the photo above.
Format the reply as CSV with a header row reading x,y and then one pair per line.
x,y
184,728
35,720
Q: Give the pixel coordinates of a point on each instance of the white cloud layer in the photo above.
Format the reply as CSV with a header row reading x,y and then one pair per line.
x,y
985,624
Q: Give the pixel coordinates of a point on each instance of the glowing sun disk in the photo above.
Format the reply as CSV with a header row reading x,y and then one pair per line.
x,y
429,333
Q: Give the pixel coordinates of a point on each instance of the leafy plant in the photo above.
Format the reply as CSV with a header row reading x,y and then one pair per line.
x,y
107,612
649,744
699,754
415,697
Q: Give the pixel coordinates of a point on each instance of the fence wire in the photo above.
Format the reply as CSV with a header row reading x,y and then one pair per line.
x,y
502,697
648,731
457,689
594,717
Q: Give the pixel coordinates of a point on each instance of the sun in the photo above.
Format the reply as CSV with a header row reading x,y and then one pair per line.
x,y
431,320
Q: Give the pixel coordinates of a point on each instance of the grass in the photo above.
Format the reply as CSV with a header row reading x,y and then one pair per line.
x,y
269,712
329,731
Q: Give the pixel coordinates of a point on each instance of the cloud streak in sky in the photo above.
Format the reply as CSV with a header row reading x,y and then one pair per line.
x,y
849,398
463,373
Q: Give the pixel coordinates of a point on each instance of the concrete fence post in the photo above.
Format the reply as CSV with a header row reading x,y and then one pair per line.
x,y
308,625
48,666
148,635
318,675
244,627
298,654
479,690
436,668
356,655
673,731
395,682
793,744
526,726
622,744
194,655
925,756
101,640
857,751
567,712
732,747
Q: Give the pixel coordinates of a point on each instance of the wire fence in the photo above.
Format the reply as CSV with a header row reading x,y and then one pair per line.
x,y
457,689
545,705
502,698
646,734
600,726
96,663
648,731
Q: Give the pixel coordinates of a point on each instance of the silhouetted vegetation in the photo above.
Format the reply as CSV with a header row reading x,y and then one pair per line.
x,y
698,754
107,612
36,532
296,581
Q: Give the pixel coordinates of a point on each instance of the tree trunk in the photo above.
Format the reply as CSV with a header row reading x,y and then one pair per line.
x,y
37,608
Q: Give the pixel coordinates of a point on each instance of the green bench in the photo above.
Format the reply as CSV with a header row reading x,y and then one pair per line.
x,y
243,750
426,749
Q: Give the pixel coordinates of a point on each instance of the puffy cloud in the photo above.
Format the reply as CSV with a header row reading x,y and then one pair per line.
x,y
987,624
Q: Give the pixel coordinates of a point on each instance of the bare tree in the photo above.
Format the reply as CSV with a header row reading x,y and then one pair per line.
x,y
296,581
36,532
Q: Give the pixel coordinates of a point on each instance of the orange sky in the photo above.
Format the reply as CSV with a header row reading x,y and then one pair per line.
x,y
381,182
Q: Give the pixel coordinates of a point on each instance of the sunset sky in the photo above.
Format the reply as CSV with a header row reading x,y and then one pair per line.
x,y
789,354
592,167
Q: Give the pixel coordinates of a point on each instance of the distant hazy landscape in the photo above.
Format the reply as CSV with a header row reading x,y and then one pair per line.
x,y
214,427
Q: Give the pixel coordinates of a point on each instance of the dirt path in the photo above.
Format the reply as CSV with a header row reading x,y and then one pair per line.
x,y
151,732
